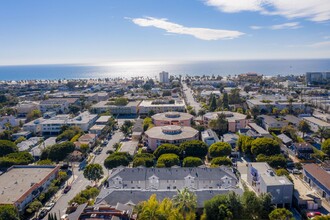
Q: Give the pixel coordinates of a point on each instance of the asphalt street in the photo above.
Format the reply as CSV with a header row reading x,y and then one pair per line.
x,y
79,182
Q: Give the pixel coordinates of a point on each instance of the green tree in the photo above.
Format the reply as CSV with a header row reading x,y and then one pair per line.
x,y
33,115
117,159
217,208
7,147
266,205
8,212
255,111
225,101
34,206
266,146
224,212
220,149
221,161
93,172
147,123
121,101
290,131
84,148
304,127
283,172
45,162
185,201
143,159
194,148
58,152
20,139
323,133
244,144
234,97
168,160
213,103
85,195
220,124
192,162
275,161
326,146
252,205
167,149
280,214
126,130
19,158
152,209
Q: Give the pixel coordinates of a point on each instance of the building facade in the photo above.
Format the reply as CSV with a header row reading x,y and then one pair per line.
x,y
160,106
318,179
235,120
317,78
172,118
171,134
164,77
137,184
261,177
21,184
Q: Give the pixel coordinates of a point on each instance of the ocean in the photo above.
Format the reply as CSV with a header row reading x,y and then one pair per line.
x,y
151,69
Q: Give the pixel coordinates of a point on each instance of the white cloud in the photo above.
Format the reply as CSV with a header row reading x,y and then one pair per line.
x,y
291,25
320,44
315,10
200,33
254,27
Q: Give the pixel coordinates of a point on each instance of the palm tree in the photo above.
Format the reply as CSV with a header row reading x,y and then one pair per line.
x,y
322,133
185,201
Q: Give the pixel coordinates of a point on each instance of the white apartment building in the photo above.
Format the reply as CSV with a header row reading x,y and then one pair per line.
x,y
159,106
130,109
53,125
316,123
54,105
164,77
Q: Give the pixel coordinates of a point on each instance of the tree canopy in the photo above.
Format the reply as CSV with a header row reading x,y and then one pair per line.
x,y
19,158
7,147
280,214
194,148
58,152
220,124
192,162
153,209
167,149
143,159
168,160
117,159
266,146
93,172
220,149
326,146
221,161
244,144
304,127
8,212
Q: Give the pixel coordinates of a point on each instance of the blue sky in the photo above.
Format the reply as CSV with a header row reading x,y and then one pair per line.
x,y
104,31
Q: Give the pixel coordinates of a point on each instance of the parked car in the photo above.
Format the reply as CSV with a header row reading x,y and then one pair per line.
x,y
312,215
42,213
49,206
67,189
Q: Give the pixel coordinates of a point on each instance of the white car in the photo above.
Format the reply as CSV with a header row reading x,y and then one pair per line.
x,y
49,206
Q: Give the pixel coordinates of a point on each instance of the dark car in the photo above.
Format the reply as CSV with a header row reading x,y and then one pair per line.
x,y
67,189
42,213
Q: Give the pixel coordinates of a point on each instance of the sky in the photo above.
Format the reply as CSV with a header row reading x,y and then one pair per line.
x,y
106,31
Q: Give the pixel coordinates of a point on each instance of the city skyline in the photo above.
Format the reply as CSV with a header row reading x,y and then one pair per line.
x,y
151,31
